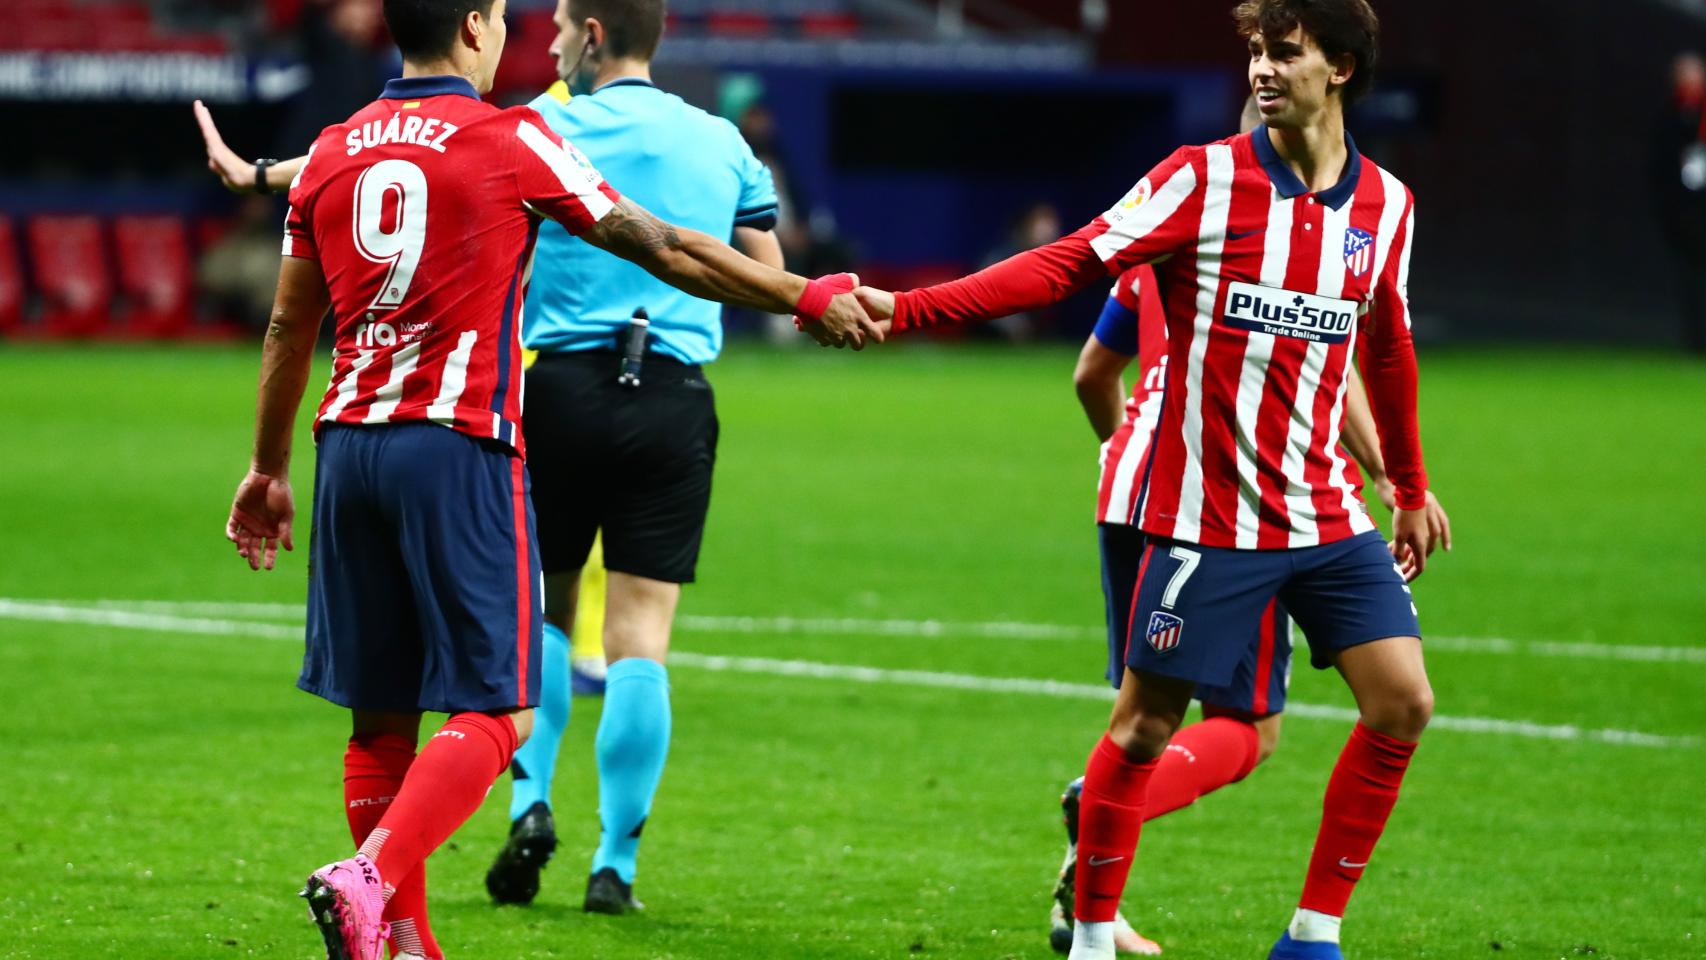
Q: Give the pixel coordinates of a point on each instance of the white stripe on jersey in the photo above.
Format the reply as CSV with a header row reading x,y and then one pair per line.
x,y
580,181
1391,212
1217,206
1132,458
390,394
289,211
345,390
443,409
1148,215
1404,262
1252,381
1329,282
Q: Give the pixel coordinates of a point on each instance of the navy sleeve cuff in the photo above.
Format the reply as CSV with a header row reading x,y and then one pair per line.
x,y
1117,328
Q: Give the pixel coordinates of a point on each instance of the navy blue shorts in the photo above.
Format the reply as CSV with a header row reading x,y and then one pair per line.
x,y
1258,685
423,573
1196,607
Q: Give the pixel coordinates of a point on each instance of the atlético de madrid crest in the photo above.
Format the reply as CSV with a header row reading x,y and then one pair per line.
x,y
1165,631
1359,251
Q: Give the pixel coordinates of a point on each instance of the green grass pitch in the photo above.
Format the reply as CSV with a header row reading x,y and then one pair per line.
x,y
164,791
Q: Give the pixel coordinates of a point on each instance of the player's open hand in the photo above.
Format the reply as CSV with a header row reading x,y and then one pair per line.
x,y
261,515
878,303
237,174
1415,534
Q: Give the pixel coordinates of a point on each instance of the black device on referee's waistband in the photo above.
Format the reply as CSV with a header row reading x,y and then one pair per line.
x,y
634,349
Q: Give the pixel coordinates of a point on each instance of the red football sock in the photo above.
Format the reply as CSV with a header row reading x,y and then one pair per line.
x,y
1110,816
374,767
1201,759
445,785
1360,795
406,912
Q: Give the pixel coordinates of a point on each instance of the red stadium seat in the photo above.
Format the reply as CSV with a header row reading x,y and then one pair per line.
x,y
68,262
829,25
11,279
739,23
155,274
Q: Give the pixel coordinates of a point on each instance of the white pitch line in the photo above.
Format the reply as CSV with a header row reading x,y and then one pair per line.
x,y
994,630
43,612
1092,691
999,629
142,620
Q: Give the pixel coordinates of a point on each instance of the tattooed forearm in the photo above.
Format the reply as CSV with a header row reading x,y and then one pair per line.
x,y
631,232
691,261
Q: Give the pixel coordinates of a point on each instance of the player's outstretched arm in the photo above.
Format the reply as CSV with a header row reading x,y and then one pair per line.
x,y
711,269
1024,281
236,173
264,509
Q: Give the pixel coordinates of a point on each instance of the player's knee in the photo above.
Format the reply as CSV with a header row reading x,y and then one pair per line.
x,y
1404,715
1142,737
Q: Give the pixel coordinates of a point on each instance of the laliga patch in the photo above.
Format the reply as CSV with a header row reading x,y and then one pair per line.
x,y
1165,631
1137,197
1287,313
1359,251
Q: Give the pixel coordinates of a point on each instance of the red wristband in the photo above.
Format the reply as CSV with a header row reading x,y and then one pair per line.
x,y
814,300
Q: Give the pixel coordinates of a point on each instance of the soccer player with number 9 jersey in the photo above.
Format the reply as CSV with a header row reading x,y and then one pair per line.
x,y
1279,255
414,221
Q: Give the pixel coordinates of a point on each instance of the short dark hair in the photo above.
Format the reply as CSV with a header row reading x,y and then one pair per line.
x,y
426,29
632,28
1340,26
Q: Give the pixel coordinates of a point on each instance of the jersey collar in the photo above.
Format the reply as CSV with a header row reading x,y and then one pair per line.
x,y
419,88
1287,182
626,82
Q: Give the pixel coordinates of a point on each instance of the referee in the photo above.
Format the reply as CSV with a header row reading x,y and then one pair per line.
x,y
631,459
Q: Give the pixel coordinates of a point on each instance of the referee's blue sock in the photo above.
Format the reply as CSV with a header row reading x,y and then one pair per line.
x,y
536,762
633,740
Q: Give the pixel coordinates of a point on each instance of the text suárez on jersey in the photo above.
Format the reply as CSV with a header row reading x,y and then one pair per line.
x,y
429,132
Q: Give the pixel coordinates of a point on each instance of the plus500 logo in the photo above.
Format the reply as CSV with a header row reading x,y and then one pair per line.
x,y
1287,313
370,335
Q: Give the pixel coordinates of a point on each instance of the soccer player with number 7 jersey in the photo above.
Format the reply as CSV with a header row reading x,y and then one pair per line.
x,y
414,221
1279,256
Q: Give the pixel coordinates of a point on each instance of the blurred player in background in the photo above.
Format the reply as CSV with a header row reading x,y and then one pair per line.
x,y
1241,720
1275,252
632,460
414,223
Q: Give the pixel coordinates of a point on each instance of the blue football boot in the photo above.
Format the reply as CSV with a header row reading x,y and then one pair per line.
x,y
1289,949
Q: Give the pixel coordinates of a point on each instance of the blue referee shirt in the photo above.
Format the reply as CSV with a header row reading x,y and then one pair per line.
x,y
684,165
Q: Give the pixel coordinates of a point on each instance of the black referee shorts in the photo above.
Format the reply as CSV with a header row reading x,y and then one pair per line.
x,y
633,461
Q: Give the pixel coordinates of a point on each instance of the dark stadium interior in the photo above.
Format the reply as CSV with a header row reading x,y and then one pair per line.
x,y
1536,119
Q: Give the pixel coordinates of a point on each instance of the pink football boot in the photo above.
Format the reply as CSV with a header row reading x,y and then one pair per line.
x,y
346,901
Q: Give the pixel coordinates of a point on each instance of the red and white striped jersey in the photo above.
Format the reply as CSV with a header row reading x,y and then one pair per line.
x,y
1266,289
1123,454
421,210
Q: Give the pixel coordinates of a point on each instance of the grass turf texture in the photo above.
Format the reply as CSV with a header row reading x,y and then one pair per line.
x,y
163,795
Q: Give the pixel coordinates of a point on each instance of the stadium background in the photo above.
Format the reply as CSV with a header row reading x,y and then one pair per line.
x,y
887,671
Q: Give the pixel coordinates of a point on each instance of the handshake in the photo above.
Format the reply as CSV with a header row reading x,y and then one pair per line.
x,y
837,312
